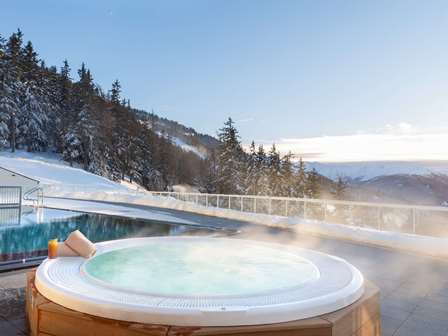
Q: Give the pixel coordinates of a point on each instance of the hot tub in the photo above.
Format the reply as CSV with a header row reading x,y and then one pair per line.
x,y
196,281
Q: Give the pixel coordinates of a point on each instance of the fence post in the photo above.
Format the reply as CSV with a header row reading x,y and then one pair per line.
x,y
414,220
197,199
242,205
286,208
304,209
325,211
379,218
217,201
229,202
255,205
206,200
270,205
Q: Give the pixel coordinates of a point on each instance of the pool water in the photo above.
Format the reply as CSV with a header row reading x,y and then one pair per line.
x,y
188,267
27,237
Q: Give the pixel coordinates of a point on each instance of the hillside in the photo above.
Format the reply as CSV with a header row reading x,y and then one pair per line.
x,y
184,137
48,109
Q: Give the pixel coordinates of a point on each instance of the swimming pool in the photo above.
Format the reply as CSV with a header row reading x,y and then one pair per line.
x,y
24,233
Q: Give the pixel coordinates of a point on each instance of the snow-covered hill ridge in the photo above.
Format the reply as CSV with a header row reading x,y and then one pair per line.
x,y
363,171
55,174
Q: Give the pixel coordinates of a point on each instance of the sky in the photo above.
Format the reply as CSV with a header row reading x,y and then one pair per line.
x,y
331,80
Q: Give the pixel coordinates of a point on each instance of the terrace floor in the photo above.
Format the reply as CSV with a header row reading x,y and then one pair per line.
x,y
414,289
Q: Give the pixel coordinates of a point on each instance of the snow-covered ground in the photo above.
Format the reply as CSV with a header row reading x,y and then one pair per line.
x,y
56,175
368,170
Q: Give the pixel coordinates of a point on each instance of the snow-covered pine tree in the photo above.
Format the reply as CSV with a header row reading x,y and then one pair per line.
x,y
312,189
287,176
300,180
262,172
84,129
34,105
252,174
274,172
4,106
64,117
230,160
11,86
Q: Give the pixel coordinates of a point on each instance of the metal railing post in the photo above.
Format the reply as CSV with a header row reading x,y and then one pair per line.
x,y
379,218
217,201
325,211
242,205
414,220
270,205
206,200
229,202
255,205
286,208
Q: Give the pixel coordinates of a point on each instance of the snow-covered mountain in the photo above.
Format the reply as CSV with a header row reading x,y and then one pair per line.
x,y
182,136
408,182
364,171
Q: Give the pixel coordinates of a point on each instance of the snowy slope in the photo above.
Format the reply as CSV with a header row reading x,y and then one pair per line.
x,y
363,171
188,148
55,174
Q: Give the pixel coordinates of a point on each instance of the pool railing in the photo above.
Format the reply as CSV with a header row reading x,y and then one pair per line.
x,y
415,219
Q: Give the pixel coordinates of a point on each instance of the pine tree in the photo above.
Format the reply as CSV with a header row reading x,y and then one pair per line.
x,y
230,160
4,95
64,114
32,120
115,92
252,174
274,172
300,180
340,188
12,88
262,176
287,176
312,184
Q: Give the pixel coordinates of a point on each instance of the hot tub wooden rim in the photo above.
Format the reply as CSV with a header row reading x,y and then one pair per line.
x,y
46,318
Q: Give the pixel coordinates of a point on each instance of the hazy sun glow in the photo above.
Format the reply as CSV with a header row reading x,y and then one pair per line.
x,y
394,143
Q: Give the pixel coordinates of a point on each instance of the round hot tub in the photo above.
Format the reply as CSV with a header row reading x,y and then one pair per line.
x,y
196,281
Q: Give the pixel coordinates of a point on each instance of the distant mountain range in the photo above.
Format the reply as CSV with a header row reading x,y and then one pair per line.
x,y
363,171
408,182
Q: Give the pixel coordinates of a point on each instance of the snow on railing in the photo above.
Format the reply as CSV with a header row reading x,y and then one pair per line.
x,y
422,220
38,199
10,196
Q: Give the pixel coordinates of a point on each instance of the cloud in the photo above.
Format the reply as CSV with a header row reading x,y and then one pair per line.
x,y
395,142
400,128
244,120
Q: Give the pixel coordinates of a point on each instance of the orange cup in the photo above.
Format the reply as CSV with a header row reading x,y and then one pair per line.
x,y
52,248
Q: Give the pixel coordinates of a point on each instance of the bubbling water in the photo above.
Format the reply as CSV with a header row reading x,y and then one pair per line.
x,y
201,269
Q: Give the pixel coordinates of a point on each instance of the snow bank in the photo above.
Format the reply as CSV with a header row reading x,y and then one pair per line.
x,y
56,175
